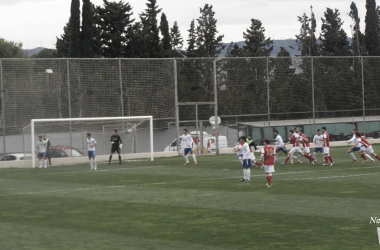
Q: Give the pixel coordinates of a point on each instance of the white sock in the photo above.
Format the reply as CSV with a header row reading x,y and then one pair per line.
x,y
45,164
245,173
291,157
241,160
40,164
195,160
369,157
95,163
353,156
187,159
299,157
90,161
315,156
248,174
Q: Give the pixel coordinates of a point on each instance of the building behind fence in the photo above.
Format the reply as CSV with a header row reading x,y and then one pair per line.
x,y
253,95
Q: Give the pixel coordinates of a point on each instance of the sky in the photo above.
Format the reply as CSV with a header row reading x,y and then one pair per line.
x,y
37,23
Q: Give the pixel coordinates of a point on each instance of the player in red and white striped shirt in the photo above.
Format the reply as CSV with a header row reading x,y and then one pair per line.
x,y
326,148
296,148
268,157
365,146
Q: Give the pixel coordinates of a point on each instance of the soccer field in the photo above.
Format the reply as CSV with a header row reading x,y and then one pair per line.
x,y
165,205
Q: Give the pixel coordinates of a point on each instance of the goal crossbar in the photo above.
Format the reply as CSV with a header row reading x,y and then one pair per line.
x,y
33,121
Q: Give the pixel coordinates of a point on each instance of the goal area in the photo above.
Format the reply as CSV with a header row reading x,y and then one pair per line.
x,y
68,137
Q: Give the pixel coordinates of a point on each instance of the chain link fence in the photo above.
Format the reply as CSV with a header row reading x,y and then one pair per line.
x,y
254,96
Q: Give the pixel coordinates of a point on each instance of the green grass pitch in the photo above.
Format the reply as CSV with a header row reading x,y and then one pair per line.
x,y
165,205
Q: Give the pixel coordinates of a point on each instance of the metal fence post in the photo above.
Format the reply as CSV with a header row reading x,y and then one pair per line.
x,y
176,103
2,104
363,93
268,97
196,126
69,96
312,90
216,110
121,91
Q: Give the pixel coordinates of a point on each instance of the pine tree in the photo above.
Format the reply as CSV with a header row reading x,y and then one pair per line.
x,y
114,18
256,44
165,41
313,40
307,43
207,41
191,49
96,32
150,29
63,42
234,50
333,38
357,38
75,34
372,34
87,44
176,40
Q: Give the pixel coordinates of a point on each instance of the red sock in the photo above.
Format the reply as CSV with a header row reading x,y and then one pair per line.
x,y
326,160
378,157
286,160
331,159
269,180
363,156
258,163
308,156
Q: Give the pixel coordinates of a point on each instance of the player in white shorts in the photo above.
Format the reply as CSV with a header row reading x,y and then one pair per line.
x,y
365,146
298,157
268,157
296,148
351,151
41,151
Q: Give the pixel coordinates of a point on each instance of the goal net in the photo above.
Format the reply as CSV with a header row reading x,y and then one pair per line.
x,y
68,136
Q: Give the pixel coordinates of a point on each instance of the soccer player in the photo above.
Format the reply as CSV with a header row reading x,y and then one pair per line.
x,y
318,144
237,149
296,148
91,143
41,151
48,145
305,142
116,145
280,143
326,148
297,135
253,158
246,159
365,146
187,144
268,157
357,148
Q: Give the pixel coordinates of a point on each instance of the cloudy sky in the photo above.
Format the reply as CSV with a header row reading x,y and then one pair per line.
x,y
36,23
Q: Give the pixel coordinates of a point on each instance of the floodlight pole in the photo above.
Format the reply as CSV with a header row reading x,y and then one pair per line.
x,y
312,90
268,97
2,104
363,93
216,110
176,104
69,95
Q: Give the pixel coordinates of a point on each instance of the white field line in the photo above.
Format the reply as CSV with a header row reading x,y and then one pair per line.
x,y
209,179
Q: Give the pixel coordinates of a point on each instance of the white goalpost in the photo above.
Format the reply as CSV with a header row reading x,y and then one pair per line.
x,y
136,133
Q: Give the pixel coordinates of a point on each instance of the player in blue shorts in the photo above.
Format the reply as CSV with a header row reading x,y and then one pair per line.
x,y
91,143
41,151
280,143
354,149
318,144
238,150
247,160
187,145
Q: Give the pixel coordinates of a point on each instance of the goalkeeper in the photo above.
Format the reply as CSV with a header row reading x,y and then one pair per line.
x,y
116,145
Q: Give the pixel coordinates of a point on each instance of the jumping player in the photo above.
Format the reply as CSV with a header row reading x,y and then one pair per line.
x,y
116,146
296,148
280,143
246,159
365,146
357,148
41,151
187,144
91,143
326,148
268,157
318,144
237,149
305,142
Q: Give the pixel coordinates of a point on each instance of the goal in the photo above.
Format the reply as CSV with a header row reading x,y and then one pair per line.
x,y
68,136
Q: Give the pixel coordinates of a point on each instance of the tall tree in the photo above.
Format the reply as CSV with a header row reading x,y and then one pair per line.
x,y
115,18
333,38
307,43
313,29
10,49
207,41
372,34
256,44
191,49
63,42
176,40
87,44
357,36
165,41
150,29
75,34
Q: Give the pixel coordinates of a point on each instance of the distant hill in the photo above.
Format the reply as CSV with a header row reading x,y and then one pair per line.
x,y
31,52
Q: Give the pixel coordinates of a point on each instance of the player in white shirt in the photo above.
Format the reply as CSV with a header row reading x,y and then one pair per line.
x,y
280,143
247,162
351,151
187,145
91,143
237,149
318,144
41,151
297,135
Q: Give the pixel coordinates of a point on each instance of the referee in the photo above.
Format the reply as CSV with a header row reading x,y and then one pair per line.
x,y
116,146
